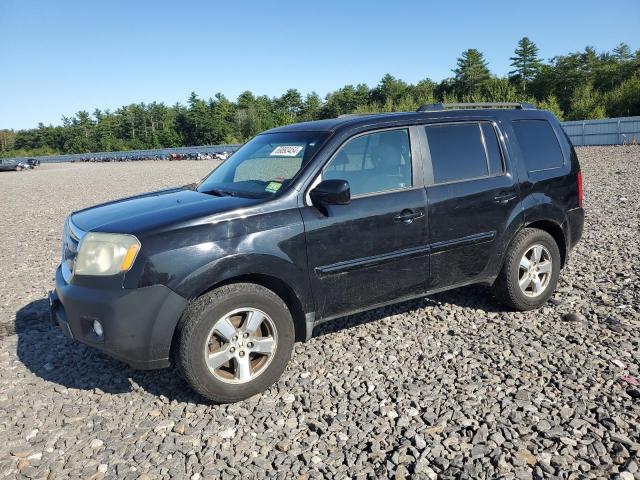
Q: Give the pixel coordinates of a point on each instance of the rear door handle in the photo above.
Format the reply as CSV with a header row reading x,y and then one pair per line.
x,y
407,216
505,197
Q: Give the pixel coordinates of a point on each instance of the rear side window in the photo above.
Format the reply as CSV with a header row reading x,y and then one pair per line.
x,y
539,144
458,151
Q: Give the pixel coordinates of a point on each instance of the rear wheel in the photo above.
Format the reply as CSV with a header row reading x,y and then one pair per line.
x,y
235,342
530,272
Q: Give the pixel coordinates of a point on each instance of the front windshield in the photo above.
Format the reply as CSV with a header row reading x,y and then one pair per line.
x,y
263,166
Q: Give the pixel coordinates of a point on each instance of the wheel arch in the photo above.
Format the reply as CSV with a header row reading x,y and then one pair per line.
x,y
280,288
556,231
270,282
545,214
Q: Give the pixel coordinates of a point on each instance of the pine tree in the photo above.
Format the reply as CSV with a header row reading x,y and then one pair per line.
x,y
311,107
622,52
390,89
472,72
525,62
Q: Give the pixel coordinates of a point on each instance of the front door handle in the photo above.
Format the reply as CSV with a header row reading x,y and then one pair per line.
x,y
407,216
505,197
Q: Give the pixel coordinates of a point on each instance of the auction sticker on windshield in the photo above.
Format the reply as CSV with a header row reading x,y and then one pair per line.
x,y
273,187
286,151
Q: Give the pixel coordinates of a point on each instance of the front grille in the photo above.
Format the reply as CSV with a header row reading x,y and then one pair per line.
x,y
71,237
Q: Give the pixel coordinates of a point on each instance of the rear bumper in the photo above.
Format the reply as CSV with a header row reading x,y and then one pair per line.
x,y
575,224
137,324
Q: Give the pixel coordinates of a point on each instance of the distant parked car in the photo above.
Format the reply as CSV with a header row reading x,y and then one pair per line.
x,y
33,162
11,166
309,222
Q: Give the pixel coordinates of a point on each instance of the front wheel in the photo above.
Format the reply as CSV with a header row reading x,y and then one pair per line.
x,y
235,342
530,272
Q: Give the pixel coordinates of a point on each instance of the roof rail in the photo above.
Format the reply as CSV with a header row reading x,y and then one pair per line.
x,y
434,107
348,115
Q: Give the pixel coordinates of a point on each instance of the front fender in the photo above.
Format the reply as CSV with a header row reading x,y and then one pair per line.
x,y
192,259
242,265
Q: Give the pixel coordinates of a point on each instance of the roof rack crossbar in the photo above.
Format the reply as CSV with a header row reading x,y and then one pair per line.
x,y
434,107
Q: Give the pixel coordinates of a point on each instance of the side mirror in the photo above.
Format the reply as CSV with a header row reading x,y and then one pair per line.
x,y
331,192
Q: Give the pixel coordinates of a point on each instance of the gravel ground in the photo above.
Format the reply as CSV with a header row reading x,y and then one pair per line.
x,y
453,386
40,200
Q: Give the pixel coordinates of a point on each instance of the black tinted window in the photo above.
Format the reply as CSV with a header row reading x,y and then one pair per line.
x,y
493,150
457,152
539,144
373,163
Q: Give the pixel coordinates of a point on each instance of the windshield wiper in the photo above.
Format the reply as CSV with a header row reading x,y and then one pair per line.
x,y
220,193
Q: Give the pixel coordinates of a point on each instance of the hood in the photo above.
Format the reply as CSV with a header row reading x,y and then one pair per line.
x,y
155,210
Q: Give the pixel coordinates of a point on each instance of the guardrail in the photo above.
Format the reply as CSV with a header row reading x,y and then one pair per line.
x,y
608,131
150,153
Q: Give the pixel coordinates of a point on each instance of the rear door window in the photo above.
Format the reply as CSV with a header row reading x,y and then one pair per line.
x,y
538,144
463,151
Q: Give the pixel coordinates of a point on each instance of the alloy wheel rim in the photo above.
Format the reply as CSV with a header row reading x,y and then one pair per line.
x,y
241,345
534,271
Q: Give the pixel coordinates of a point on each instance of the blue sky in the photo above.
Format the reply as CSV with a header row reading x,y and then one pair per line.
x,y
59,57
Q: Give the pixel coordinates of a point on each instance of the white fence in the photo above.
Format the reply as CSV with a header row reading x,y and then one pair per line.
x,y
609,131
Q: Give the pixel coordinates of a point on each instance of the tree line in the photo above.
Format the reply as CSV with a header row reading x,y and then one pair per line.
x,y
578,86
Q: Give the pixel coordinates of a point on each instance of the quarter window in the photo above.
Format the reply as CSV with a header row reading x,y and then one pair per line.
x,y
458,151
538,144
373,163
496,166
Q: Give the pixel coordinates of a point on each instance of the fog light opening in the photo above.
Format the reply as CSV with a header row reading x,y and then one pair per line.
x,y
97,328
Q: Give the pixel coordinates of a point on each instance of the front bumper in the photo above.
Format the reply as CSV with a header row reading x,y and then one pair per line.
x,y
138,324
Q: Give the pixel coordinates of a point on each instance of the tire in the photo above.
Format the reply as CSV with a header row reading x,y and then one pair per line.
x,y
200,338
507,288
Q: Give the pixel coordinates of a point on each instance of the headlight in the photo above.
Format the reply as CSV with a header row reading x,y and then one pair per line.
x,y
106,253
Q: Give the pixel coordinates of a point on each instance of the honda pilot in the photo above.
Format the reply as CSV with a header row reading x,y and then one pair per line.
x,y
313,221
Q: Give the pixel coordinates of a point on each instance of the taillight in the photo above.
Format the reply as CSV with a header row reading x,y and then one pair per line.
x,y
580,190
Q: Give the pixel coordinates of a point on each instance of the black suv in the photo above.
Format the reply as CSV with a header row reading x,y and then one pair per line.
x,y
314,221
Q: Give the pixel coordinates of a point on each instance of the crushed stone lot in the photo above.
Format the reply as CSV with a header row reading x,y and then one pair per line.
x,y
451,386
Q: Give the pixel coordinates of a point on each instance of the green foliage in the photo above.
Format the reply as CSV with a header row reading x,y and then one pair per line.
x,y
345,100
551,104
586,104
389,90
501,90
311,107
579,85
472,72
624,100
622,52
7,140
30,152
568,78
526,63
